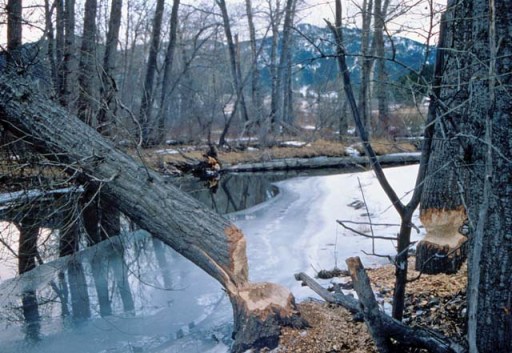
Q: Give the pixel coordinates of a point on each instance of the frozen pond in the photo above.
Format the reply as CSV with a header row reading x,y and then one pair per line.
x,y
176,307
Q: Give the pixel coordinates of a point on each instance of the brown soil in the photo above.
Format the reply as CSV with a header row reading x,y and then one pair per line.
x,y
436,302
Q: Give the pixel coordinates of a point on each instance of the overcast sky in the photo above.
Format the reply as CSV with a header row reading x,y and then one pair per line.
x,y
410,18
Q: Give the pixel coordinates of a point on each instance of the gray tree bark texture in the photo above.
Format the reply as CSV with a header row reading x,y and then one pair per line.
x,y
145,121
67,68
281,72
86,81
444,248
108,91
368,304
14,28
207,239
442,213
167,76
478,73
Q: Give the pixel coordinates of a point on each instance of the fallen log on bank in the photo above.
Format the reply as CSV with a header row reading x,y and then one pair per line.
x,y
207,239
322,162
388,327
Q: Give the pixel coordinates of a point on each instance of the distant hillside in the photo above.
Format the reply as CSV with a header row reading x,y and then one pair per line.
x,y
312,70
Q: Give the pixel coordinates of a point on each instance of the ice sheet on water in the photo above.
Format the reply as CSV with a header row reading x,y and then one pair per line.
x,y
294,232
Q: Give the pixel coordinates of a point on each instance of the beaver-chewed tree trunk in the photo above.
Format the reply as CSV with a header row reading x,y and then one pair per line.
x,y
207,239
441,207
443,250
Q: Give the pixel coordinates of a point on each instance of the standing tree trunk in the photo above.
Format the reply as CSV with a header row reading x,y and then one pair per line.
x,y
50,37
441,208
14,30
343,119
59,43
108,90
256,98
366,66
66,89
288,82
482,128
380,14
442,213
145,122
275,20
282,68
202,236
166,81
86,83
235,68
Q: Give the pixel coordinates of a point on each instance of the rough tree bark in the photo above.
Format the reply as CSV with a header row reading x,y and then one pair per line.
x,y
282,68
482,126
368,304
202,236
441,207
147,91
236,74
86,92
14,29
256,97
108,89
288,79
366,65
166,80
66,72
275,15
60,20
50,37
443,250
381,89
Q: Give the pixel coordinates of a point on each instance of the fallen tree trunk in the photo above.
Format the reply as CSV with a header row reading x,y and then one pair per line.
x,y
368,304
322,162
205,238
404,335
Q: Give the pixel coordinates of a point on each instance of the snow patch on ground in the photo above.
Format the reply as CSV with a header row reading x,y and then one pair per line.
x,y
352,152
294,143
167,151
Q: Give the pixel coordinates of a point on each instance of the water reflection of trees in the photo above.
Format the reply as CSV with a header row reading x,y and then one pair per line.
x,y
235,191
106,279
49,226
95,272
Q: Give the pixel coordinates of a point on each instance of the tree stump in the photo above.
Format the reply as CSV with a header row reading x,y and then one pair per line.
x,y
443,250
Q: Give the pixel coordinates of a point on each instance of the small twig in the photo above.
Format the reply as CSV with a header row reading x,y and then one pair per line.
x,y
375,224
363,234
367,214
375,254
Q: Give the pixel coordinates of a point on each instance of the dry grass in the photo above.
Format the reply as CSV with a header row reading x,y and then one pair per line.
x,y
251,155
150,157
384,146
